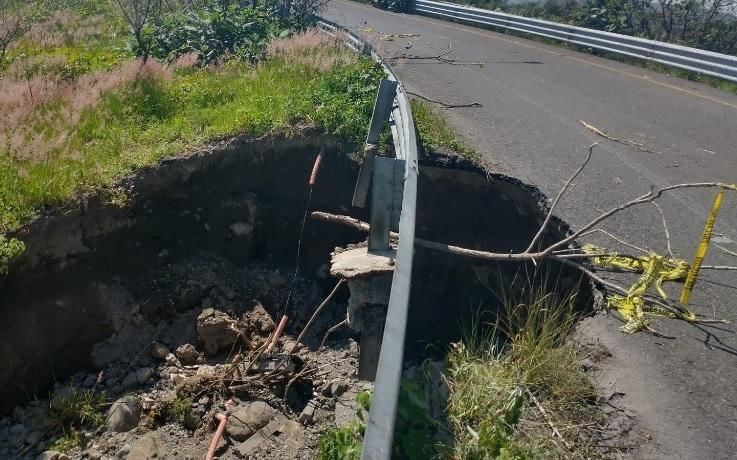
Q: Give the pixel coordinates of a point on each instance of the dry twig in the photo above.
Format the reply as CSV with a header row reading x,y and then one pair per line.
x,y
637,145
547,418
445,105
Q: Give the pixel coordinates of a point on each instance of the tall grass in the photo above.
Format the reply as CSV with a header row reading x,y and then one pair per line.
x,y
499,366
434,132
64,136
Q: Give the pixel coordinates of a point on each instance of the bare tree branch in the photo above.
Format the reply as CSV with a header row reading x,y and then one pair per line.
x,y
560,195
665,228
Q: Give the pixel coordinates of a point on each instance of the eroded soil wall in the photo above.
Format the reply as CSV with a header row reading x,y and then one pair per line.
x,y
74,286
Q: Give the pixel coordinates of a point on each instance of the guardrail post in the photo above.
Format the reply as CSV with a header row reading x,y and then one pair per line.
x,y
386,201
382,109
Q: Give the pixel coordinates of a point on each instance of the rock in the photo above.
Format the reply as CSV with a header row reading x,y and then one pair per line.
x,y
124,450
172,360
18,429
260,320
216,330
206,371
248,419
192,420
308,413
93,454
158,350
147,447
52,455
129,381
294,437
144,374
124,414
187,354
245,449
290,346
33,438
338,387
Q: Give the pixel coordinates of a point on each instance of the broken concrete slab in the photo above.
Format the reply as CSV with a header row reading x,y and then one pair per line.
x,y
359,263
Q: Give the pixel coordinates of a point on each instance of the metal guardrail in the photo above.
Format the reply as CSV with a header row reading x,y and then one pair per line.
x,y
378,439
705,62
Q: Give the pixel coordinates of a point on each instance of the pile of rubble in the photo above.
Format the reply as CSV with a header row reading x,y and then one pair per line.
x,y
163,401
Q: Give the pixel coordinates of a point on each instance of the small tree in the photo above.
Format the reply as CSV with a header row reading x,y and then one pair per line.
x,y
138,14
13,24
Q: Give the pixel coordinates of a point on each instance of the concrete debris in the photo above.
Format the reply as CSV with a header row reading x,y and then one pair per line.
x,y
248,419
308,413
358,263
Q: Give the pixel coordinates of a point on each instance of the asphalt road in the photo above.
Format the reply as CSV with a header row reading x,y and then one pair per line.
x,y
683,391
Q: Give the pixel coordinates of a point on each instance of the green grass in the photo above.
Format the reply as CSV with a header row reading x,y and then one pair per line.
x,y
152,118
494,371
345,442
69,411
178,409
83,114
434,132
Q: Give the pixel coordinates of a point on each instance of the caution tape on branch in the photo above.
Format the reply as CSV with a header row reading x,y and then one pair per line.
x,y
655,270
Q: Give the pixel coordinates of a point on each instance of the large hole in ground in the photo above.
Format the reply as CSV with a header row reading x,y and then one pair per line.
x,y
219,229
463,205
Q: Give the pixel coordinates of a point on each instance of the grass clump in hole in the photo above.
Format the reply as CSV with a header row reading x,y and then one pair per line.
x,y
71,410
501,375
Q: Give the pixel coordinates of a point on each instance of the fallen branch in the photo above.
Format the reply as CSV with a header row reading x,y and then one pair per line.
x,y
317,312
630,143
547,418
560,195
439,57
445,105
331,330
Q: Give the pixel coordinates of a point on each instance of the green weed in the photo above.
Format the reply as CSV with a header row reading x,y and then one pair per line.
x,y
160,114
434,132
498,367
70,411
178,409
10,248
346,442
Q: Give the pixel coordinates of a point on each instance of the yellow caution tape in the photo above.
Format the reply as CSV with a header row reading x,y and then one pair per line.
x,y
701,250
655,270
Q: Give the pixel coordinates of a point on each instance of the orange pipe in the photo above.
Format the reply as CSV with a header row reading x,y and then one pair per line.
x,y
315,169
217,436
278,333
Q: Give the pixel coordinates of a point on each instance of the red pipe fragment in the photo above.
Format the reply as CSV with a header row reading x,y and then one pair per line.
x,y
217,436
315,169
278,333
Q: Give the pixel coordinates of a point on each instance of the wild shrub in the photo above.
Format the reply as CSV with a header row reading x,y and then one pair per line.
x,y
215,31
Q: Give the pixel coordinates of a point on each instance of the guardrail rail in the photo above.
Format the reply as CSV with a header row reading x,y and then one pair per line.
x,y
378,439
705,62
